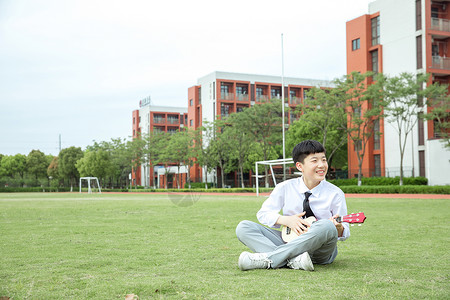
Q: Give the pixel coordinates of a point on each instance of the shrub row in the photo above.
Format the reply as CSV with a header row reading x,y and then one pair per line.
x,y
392,189
386,189
380,181
33,189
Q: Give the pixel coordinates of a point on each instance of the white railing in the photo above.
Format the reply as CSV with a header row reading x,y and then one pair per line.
x,y
440,24
440,62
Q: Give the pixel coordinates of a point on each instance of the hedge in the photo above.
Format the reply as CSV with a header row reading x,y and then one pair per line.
x,y
348,189
391,189
33,189
380,181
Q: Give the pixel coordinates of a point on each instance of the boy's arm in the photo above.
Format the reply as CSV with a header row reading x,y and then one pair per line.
x,y
295,222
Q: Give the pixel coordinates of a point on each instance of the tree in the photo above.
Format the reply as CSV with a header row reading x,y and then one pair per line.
x,y
364,107
324,110
52,170
68,157
37,164
94,163
220,148
240,139
300,131
403,108
180,151
135,153
264,124
205,154
439,113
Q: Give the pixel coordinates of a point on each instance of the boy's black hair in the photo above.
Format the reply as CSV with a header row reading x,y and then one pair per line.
x,y
305,148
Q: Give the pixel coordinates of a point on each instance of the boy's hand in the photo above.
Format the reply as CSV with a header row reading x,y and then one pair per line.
x,y
339,226
295,222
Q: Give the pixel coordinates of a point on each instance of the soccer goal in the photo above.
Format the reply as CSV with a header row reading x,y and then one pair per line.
x,y
275,174
92,182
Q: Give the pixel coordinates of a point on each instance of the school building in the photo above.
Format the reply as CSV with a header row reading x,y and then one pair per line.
x,y
216,94
151,118
402,36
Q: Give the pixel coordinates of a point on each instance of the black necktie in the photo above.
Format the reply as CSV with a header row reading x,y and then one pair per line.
x,y
306,206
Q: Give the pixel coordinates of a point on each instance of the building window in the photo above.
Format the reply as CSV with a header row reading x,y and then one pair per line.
x,y
376,135
375,24
223,90
420,124
242,92
275,93
191,102
356,44
377,164
418,14
199,95
419,51
374,55
422,163
191,122
259,92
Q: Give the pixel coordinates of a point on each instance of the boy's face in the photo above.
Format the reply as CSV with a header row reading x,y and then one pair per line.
x,y
314,167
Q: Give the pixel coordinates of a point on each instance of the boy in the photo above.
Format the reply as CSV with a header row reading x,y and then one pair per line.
x,y
300,197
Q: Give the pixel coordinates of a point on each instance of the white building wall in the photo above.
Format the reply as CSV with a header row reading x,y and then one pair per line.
x,y
398,39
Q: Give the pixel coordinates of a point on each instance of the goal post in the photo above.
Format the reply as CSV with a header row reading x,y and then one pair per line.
x,y
89,179
271,163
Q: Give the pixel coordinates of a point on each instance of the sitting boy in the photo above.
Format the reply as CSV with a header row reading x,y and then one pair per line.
x,y
298,198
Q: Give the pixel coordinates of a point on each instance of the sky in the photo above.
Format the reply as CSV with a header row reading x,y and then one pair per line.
x,y
76,69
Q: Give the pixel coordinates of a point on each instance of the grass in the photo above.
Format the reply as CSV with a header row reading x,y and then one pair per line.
x,y
72,246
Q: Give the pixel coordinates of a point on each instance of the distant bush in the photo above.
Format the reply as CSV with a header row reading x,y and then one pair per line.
x,y
197,185
396,189
33,189
380,181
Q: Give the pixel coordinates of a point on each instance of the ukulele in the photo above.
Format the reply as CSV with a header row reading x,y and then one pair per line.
x,y
288,235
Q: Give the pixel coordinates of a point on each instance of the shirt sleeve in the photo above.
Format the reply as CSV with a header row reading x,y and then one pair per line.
x,y
270,209
340,207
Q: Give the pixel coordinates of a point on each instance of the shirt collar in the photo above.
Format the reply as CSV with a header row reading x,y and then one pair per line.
x,y
315,191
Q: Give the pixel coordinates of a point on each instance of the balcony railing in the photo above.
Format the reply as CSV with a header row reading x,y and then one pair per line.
x,y
295,100
159,120
440,24
262,98
173,121
242,97
227,96
440,62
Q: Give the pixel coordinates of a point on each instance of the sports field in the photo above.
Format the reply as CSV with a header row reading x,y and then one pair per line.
x,y
79,246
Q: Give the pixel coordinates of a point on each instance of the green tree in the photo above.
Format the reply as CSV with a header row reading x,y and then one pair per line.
x,y
94,164
364,107
37,164
205,151
439,113
324,110
68,157
134,153
240,139
264,124
52,170
403,109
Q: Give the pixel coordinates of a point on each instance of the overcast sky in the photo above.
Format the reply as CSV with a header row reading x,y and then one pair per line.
x,y
78,68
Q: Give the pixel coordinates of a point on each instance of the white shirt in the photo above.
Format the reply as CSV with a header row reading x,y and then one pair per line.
x,y
326,201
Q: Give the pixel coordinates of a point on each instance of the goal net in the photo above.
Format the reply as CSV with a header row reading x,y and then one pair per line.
x,y
91,183
279,170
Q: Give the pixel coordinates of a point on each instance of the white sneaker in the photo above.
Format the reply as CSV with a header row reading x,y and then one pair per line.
x,y
249,261
303,261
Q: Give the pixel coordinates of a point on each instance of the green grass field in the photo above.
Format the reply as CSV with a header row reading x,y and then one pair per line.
x,y
72,246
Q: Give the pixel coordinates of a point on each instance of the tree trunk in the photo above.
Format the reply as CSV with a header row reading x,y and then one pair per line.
x,y
242,177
